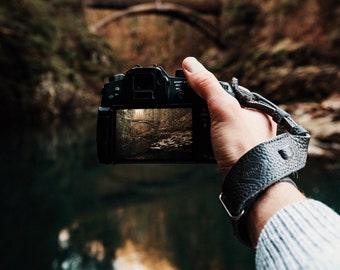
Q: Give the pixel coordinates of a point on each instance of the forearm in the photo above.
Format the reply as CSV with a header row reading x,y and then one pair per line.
x,y
302,235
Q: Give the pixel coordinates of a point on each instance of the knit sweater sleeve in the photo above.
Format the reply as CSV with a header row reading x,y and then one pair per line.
x,y
303,235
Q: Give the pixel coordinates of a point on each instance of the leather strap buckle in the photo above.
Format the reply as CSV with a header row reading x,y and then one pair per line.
x,y
228,212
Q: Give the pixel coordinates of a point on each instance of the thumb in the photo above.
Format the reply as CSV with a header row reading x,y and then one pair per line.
x,y
202,81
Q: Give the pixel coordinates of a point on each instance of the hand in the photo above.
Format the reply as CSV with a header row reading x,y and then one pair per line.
x,y
234,130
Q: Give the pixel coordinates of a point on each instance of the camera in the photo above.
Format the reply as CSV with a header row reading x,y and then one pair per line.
x,y
147,116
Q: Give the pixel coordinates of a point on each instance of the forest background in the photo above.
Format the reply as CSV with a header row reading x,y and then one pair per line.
x,y
53,66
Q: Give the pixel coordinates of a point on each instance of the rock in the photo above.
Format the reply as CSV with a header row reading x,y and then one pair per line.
x,y
322,120
177,139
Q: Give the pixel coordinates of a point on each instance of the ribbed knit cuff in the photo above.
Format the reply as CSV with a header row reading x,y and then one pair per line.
x,y
303,235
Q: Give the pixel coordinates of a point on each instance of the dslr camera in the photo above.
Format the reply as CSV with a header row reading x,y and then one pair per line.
x,y
147,116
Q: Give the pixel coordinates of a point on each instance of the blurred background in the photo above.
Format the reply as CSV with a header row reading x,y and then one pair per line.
x,y
60,209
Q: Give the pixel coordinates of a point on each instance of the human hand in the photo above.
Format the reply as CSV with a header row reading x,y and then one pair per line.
x,y
234,130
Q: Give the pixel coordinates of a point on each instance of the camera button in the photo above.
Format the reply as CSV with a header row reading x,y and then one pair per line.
x,y
180,95
180,73
116,77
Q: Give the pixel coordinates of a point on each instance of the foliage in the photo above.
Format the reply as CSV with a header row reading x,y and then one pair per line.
x,y
47,39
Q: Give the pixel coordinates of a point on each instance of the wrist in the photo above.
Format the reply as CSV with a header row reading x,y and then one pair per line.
x,y
272,200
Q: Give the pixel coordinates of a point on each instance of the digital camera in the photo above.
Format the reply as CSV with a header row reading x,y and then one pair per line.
x,y
147,116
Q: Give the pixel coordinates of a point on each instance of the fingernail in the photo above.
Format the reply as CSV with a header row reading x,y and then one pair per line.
x,y
192,65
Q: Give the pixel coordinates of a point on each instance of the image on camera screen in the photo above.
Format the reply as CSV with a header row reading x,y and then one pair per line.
x,y
154,134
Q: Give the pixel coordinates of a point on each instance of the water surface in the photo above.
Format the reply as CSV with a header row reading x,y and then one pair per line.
x,y
63,210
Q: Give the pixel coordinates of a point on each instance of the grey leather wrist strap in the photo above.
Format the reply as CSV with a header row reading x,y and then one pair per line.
x,y
267,163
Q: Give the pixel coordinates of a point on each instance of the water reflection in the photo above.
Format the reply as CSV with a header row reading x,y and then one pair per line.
x,y
133,256
62,210
160,224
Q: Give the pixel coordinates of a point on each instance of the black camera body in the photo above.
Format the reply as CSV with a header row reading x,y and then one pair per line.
x,y
147,116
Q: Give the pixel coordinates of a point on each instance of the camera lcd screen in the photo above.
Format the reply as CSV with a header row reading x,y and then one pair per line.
x,y
154,134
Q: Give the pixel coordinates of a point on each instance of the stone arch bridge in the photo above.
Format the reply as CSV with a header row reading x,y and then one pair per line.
x,y
191,13
151,124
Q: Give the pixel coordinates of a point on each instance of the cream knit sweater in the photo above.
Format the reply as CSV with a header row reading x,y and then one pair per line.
x,y
303,235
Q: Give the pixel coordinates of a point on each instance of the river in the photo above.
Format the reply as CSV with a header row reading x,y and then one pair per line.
x,y
63,210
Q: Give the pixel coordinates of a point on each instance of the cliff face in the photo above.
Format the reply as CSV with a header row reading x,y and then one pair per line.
x,y
291,49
